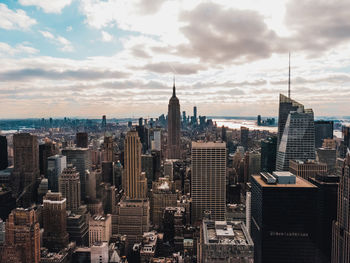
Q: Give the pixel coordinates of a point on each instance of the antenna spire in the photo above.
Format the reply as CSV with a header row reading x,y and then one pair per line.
x,y
174,92
289,78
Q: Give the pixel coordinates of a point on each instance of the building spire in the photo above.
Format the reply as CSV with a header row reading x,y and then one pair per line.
x,y
174,91
289,78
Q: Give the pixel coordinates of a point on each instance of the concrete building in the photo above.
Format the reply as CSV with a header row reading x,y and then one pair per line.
x,y
55,222
99,252
327,156
69,186
100,228
22,237
244,137
78,228
148,246
135,183
55,166
208,188
82,140
307,168
225,241
174,125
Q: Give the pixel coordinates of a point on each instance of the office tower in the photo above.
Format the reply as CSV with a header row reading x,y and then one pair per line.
x,y
108,149
184,118
143,135
22,242
80,158
148,167
163,195
100,229
107,172
132,219
26,166
42,189
82,140
195,115
157,140
224,134
307,169
248,210
174,133
104,123
298,140
283,218
323,130
135,181
108,197
55,166
2,233
327,212
7,203
99,253
341,227
346,135
244,137
55,236
208,189
3,153
259,120
268,154
169,169
286,105
225,241
78,228
46,150
327,156
69,186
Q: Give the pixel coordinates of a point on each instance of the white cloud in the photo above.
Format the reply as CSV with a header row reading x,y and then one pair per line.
x,y
48,6
23,48
65,44
15,19
106,37
69,28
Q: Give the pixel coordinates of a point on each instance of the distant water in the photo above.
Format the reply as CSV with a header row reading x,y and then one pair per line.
x,y
237,123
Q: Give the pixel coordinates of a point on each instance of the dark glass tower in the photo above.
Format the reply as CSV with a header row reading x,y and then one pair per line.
x,y
268,154
3,153
174,127
323,130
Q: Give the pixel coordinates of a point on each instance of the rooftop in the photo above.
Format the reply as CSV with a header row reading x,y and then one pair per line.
x,y
299,182
200,144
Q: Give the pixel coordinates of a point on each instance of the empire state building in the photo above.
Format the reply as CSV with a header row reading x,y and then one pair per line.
x,y
174,127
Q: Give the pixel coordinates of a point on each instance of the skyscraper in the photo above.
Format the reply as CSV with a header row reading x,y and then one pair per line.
x,y
283,209
54,214
82,139
174,124
135,184
195,114
108,149
26,166
46,150
268,154
3,153
55,166
323,130
298,140
69,186
341,227
244,137
22,237
208,188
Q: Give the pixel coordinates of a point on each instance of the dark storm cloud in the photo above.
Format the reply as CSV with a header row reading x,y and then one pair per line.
x,y
318,24
219,35
81,74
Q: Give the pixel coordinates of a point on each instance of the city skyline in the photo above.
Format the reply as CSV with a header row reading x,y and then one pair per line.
x,y
89,58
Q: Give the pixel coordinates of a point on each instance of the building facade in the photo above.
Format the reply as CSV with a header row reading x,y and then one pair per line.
x,y
69,186
174,126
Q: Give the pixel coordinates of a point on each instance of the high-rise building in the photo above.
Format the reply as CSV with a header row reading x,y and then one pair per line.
x,y
54,215
307,169
55,166
268,154
108,149
346,135
286,105
135,183
46,150
283,208
78,228
208,188
174,125
195,115
323,130
80,158
100,228
327,195
82,140
244,137
69,186
99,253
3,153
26,166
298,140
22,237
341,227
157,140
104,123
327,156
225,241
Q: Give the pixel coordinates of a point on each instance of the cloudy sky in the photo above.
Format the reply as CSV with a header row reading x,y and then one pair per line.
x,y
88,57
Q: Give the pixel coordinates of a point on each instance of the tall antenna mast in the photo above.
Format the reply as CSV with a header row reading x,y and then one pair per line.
x,y
289,78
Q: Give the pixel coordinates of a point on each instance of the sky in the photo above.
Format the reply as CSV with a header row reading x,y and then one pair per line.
x,y
87,58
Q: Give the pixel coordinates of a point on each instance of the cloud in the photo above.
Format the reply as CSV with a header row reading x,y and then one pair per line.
x,y
174,68
81,74
23,48
149,7
65,44
106,37
14,19
48,6
69,28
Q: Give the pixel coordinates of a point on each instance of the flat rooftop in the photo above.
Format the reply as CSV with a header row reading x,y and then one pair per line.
x,y
208,145
300,182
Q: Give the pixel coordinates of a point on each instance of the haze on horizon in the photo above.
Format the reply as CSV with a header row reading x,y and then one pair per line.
x,y
86,58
